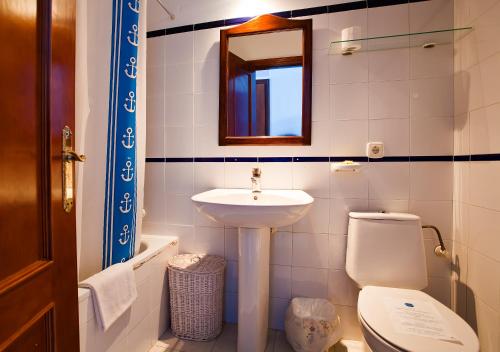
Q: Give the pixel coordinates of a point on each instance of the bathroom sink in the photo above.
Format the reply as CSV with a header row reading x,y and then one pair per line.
x,y
242,208
254,213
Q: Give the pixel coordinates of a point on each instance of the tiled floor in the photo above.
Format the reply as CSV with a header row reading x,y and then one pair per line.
x,y
226,342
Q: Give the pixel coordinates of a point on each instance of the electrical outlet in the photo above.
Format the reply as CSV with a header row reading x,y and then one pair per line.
x,y
375,150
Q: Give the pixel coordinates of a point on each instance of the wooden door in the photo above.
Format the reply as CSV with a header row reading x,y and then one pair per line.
x,y
262,113
240,97
38,278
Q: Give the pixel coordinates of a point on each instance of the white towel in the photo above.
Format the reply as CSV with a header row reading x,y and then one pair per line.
x,y
113,292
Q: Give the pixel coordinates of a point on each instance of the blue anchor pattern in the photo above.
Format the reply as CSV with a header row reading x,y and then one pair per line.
x,y
121,183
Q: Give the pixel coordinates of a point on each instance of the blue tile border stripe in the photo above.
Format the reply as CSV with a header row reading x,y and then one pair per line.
x,y
319,10
327,159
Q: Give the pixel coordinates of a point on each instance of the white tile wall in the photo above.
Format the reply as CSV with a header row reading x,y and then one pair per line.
x,y
476,278
383,95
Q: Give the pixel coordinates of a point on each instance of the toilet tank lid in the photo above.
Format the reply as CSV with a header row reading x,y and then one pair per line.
x,y
384,216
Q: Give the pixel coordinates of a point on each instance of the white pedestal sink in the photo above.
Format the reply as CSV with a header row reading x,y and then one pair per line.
x,y
254,215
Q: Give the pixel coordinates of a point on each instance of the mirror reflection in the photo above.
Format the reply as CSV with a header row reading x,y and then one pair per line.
x,y
265,79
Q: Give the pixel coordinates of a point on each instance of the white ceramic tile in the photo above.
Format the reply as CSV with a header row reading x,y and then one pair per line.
x,y
310,250
490,69
350,323
179,142
320,103
339,213
178,48
321,31
155,52
208,240
389,65
349,101
206,141
154,112
179,178
485,130
461,181
231,277
431,181
206,76
349,68
231,243
206,108
349,138
277,311
141,306
281,248
388,181
461,223
440,289
179,79
349,185
387,20
316,220
320,70
437,213
179,110
437,266
394,133
487,321
280,278
482,278
155,81
461,135
321,140
238,175
484,186
208,175
309,282
429,63
432,97
154,192
389,205
312,177
484,230
206,44
432,136
178,210
431,15
389,100
341,20
341,289
337,252
155,146
276,175
486,30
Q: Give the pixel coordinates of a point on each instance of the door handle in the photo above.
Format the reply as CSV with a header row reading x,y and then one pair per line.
x,y
68,157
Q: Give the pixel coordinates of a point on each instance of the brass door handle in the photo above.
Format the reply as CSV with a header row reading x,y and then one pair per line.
x,y
71,155
68,157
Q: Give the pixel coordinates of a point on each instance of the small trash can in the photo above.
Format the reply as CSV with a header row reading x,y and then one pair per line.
x,y
196,284
312,325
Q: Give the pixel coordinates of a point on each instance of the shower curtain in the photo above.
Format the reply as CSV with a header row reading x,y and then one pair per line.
x,y
110,129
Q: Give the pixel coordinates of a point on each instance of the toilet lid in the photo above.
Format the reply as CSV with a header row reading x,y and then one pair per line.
x,y
414,321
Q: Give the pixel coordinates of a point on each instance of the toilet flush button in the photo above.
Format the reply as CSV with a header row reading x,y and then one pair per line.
x,y
375,150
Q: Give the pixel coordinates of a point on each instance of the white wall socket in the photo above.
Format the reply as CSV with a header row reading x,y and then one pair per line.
x,y
375,150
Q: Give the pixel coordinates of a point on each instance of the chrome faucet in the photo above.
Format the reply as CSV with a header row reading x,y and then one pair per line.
x,y
256,180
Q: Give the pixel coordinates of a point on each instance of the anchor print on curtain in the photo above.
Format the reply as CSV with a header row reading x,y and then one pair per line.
x,y
120,206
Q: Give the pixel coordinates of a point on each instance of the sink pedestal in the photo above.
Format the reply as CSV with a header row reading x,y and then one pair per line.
x,y
253,288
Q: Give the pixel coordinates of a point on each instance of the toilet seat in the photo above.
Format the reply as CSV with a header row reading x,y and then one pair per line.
x,y
386,314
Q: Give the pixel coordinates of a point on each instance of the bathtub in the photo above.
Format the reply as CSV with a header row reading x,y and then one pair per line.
x,y
140,327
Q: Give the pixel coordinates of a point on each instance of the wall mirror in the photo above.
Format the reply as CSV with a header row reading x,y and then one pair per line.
x,y
265,82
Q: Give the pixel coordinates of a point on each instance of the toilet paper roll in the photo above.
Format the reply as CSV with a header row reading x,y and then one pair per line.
x,y
349,34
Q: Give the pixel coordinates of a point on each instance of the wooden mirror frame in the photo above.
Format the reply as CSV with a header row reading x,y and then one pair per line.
x,y
259,25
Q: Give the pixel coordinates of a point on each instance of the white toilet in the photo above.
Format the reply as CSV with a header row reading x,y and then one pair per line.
x,y
386,258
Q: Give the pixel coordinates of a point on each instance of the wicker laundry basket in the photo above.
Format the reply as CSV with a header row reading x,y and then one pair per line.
x,y
196,295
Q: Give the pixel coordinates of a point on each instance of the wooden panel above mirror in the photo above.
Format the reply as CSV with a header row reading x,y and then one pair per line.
x,y
266,82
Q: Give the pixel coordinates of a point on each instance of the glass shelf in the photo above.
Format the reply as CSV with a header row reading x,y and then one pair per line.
x,y
405,40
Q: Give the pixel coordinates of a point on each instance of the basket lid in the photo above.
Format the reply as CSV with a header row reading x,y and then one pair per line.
x,y
197,263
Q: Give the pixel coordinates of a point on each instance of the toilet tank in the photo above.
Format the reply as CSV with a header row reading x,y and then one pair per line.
x,y
386,249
